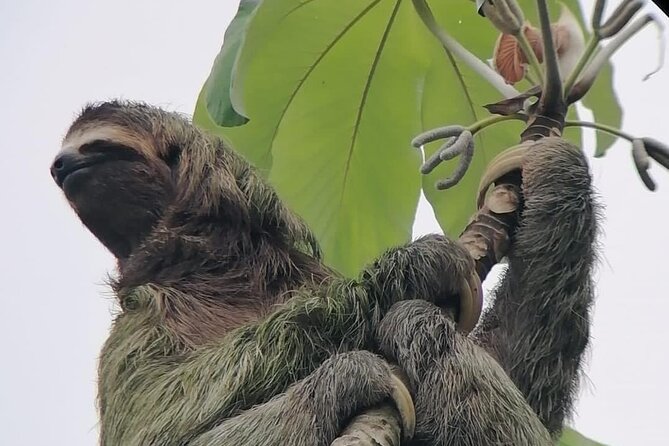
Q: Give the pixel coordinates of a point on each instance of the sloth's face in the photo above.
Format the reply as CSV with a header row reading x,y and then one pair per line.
x,y
114,183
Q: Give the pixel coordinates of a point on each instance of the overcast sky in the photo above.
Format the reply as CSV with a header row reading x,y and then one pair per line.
x,y
56,56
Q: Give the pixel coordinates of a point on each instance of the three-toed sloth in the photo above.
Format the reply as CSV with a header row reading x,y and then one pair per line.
x,y
232,331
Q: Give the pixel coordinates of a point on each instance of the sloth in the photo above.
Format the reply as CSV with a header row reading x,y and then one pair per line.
x,y
232,331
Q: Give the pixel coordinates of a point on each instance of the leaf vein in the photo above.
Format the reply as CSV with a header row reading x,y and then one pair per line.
x,y
295,8
363,99
318,60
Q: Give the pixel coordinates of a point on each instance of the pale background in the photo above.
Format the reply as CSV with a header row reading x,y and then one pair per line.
x,y
56,310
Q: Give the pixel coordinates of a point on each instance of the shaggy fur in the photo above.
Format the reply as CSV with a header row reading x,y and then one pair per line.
x,y
539,326
533,336
233,332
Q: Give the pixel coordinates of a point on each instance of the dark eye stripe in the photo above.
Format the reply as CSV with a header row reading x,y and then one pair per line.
x,y
111,150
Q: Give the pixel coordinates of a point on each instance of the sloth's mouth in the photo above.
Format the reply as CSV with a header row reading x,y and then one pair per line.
x,y
63,170
98,152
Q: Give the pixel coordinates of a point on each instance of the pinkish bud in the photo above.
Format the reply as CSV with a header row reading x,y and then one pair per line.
x,y
510,61
508,58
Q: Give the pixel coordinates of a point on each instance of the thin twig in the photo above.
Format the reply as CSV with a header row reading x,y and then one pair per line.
x,y
590,49
601,127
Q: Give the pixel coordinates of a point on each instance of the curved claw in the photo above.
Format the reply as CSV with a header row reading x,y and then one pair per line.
x,y
471,302
506,162
388,424
404,403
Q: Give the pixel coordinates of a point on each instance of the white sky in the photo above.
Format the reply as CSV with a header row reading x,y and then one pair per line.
x,y
55,56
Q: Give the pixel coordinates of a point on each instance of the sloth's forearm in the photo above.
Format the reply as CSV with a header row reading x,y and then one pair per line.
x,y
163,396
462,395
538,327
258,426
156,399
431,268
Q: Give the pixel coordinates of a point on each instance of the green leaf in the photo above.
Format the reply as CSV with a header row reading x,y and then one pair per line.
x,y
572,438
332,116
336,89
217,88
357,184
606,110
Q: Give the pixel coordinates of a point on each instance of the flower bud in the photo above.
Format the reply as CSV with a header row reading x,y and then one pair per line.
x,y
505,15
642,163
619,18
657,150
454,146
508,58
511,62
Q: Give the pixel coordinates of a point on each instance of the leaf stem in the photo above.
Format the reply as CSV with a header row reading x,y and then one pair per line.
x,y
601,127
491,120
531,79
582,62
452,45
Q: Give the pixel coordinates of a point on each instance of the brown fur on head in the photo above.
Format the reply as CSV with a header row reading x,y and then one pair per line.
x,y
122,164
179,208
102,174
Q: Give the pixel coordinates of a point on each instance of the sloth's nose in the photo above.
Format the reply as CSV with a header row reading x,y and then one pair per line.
x,y
63,165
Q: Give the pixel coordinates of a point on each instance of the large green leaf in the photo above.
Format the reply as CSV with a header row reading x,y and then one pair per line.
x,y
217,88
572,438
335,112
336,89
361,173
